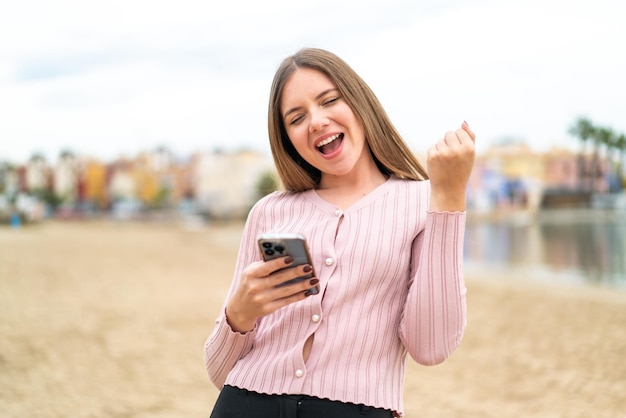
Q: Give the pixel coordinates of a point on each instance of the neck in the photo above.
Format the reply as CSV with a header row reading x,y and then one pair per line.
x,y
365,176
344,191
357,182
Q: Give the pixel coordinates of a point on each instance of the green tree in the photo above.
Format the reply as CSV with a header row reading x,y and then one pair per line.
x,y
267,184
603,138
48,197
620,149
584,130
160,199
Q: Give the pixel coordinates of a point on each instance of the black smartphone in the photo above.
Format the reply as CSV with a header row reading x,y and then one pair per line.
x,y
280,245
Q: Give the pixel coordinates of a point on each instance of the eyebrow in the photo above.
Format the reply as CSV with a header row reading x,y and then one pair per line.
x,y
319,96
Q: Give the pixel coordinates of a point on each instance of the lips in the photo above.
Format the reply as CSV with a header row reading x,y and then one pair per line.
x,y
330,144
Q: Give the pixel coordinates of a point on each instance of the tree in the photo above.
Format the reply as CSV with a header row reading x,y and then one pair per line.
x,y
49,198
267,184
620,148
602,137
585,131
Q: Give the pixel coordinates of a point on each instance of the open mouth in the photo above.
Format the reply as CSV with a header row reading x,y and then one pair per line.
x,y
330,144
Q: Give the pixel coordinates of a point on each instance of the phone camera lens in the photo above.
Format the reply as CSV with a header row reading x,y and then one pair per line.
x,y
267,245
279,248
269,252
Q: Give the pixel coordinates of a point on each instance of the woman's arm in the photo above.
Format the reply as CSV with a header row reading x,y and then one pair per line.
x,y
254,294
225,347
435,313
450,163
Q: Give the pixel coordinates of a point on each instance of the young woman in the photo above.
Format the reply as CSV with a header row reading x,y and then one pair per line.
x,y
387,247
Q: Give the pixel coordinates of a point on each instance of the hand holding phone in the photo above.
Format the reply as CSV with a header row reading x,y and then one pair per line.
x,y
294,245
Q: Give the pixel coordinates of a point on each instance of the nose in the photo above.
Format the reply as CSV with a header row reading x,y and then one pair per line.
x,y
318,120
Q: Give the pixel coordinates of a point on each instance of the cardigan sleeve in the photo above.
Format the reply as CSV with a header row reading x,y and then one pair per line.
x,y
224,347
435,312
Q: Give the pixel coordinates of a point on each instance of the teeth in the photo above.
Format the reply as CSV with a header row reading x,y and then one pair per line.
x,y
327,140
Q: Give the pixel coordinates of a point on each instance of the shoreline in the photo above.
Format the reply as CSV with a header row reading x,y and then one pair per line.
x,y
576,215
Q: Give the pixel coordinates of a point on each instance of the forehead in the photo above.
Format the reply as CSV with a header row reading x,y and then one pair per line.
x,y
305,83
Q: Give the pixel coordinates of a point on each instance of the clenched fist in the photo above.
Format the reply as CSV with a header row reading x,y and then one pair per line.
x,y
449,165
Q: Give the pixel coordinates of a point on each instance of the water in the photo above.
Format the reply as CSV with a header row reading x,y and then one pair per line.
x,y
566,247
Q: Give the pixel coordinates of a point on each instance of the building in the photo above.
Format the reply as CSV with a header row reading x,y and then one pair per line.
x,y
225,184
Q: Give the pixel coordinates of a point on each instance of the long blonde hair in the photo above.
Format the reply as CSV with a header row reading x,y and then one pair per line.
x,y
390,152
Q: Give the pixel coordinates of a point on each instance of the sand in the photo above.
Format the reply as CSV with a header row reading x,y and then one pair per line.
x,y
108,319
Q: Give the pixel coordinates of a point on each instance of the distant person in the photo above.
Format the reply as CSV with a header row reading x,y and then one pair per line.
x,y
387,248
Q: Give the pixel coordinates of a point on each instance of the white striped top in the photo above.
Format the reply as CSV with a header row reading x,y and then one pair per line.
x,y
391,283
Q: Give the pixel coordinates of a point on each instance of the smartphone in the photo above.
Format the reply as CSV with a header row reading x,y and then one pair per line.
x,y
283,244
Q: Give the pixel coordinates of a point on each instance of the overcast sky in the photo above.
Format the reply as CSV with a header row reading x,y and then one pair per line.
x,y
106,78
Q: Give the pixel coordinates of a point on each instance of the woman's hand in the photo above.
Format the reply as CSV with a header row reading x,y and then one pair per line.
x,y
258,296
449,164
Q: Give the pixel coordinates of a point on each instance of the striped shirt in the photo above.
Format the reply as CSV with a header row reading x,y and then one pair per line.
x,y
391,283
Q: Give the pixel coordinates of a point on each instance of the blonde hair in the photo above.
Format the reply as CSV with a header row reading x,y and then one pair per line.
x,y
390,152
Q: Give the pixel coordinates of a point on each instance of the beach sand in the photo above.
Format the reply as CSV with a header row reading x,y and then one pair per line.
x,y
108,319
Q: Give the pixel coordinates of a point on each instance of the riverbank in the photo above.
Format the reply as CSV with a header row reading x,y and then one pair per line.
x,y
105,319
529,216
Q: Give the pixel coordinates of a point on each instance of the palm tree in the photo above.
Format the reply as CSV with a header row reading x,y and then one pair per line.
x,y
602,137
584,130
620,148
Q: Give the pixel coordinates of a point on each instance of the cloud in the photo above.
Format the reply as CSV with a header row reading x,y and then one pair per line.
x,y
522,69
106,78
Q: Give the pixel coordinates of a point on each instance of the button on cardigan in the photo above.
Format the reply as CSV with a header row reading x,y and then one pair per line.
x,y
391,284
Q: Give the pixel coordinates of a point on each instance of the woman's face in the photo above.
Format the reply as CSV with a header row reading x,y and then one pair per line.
x,y
321,126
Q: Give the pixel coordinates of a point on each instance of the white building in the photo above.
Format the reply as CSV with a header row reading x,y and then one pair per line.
x,y
122,183
37,173
66,176
225,184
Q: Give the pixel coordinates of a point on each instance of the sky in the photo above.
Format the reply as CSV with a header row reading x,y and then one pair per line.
x,y
110,79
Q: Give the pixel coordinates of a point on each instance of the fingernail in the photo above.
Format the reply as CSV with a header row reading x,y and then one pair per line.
x,y
308,293
313,282
288,260
466,124
307,268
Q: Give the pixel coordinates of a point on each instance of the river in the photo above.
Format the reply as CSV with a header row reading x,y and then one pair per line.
x,y
581,247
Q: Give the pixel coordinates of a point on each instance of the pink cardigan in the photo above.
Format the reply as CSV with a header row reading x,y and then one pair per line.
x,y
391,280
